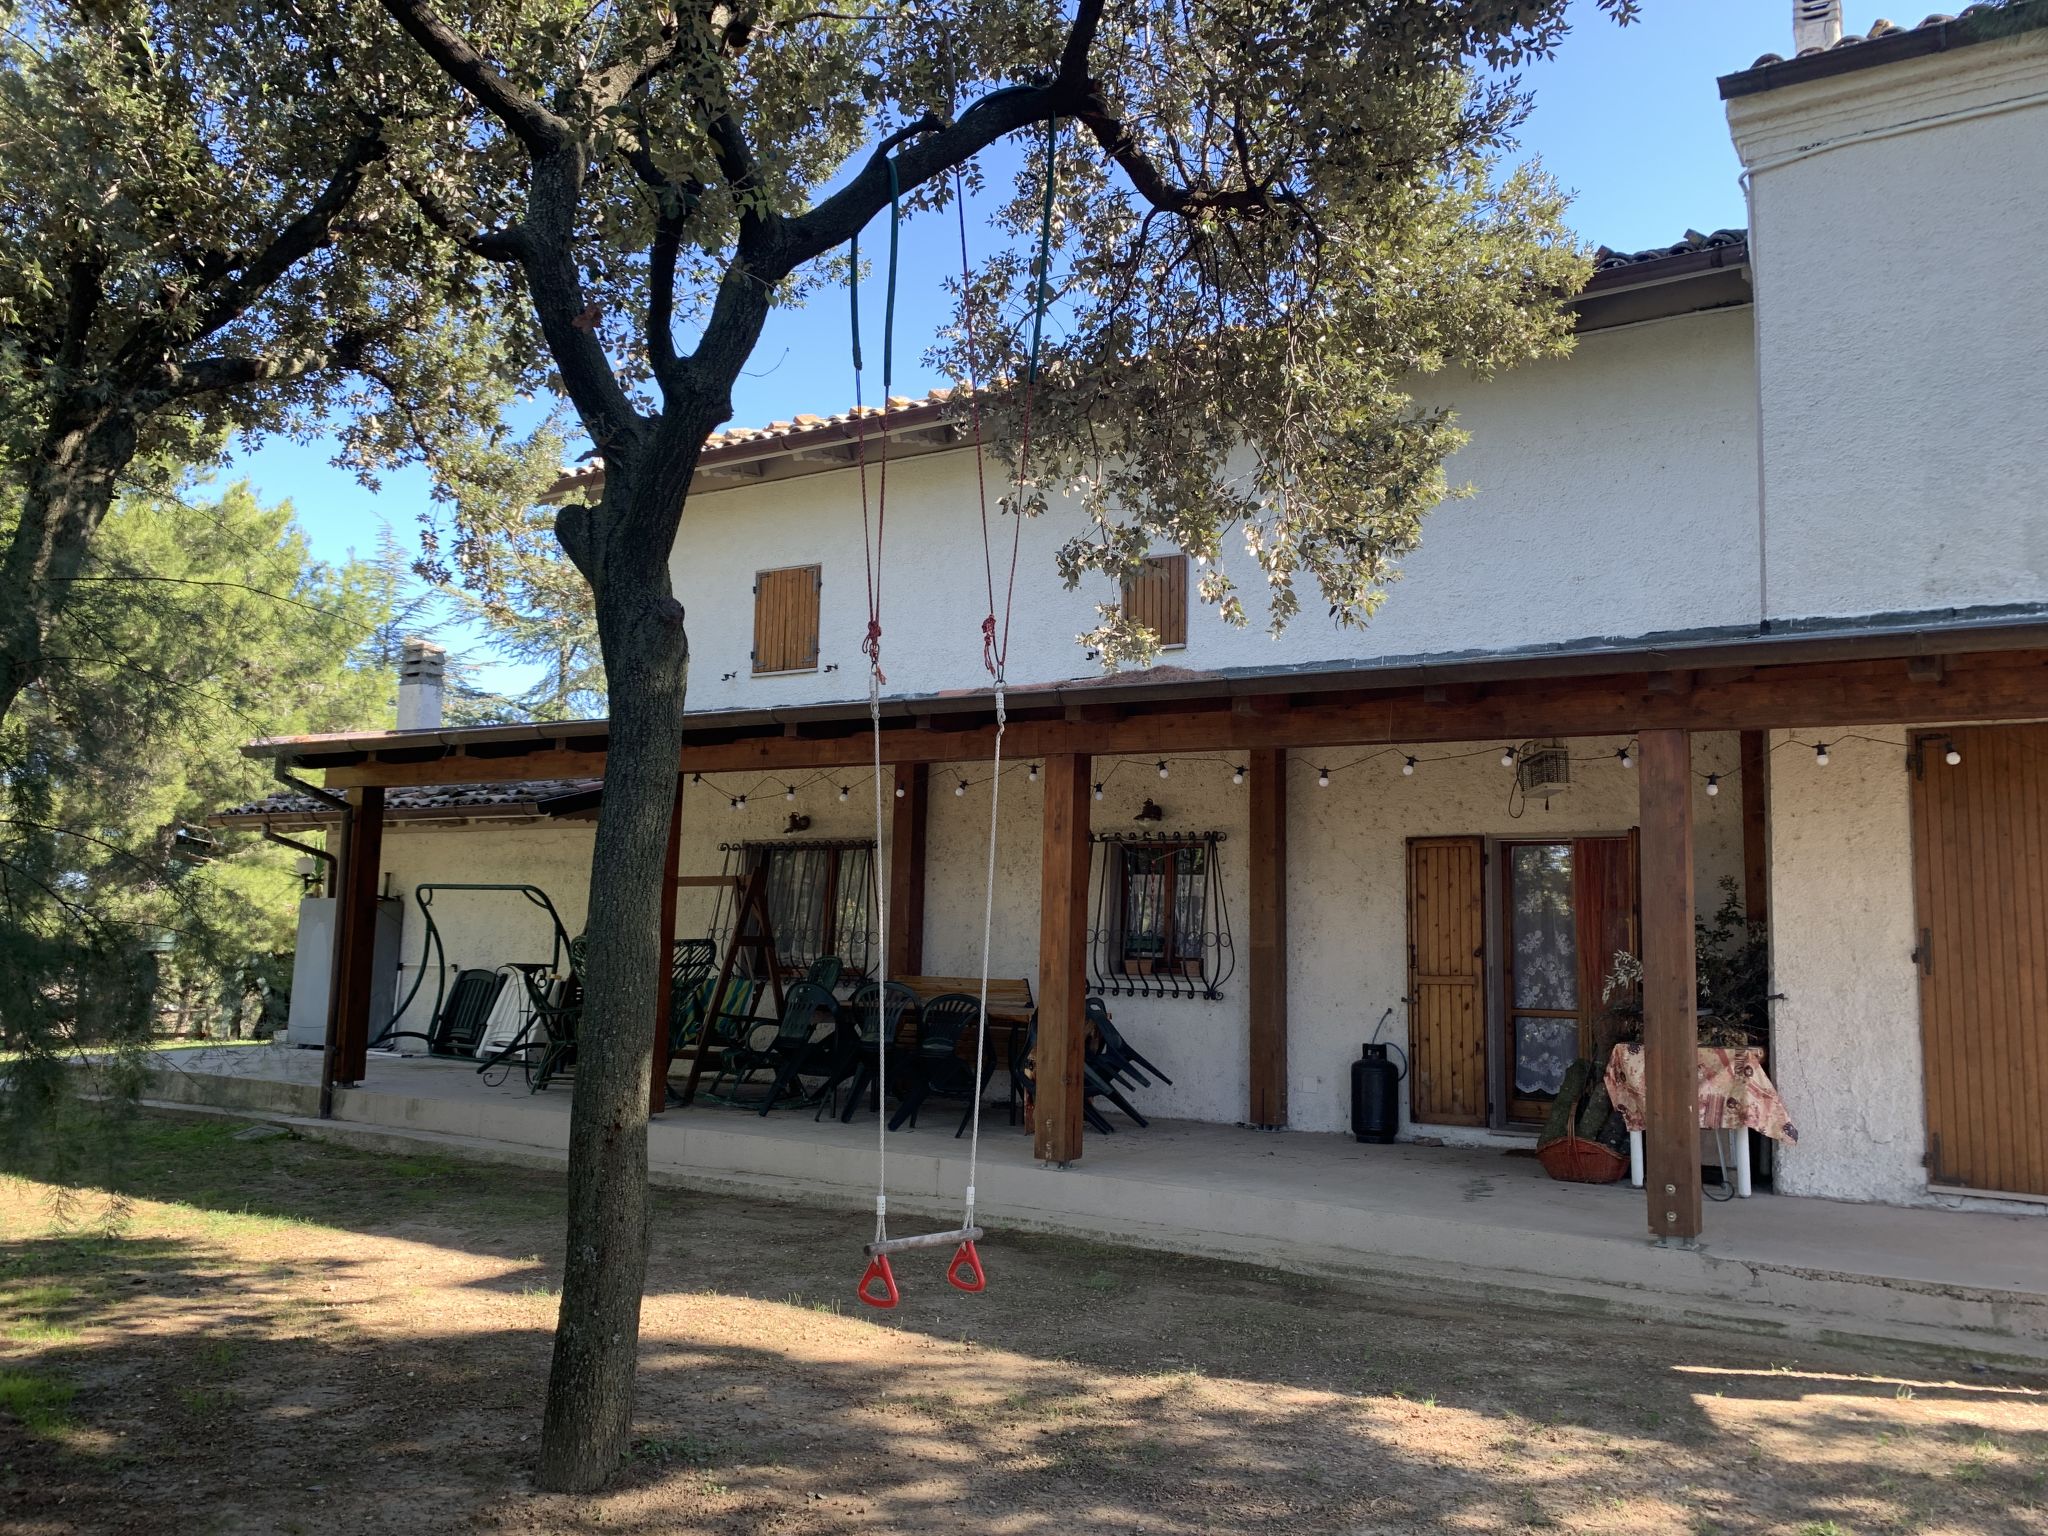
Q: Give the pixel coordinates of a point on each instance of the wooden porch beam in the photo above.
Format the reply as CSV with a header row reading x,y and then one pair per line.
x,y
1671,1143
1995,686
1062,960
664,982
356,949
1266,988
907,831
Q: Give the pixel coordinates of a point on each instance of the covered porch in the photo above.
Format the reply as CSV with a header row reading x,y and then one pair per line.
x,y
1684,722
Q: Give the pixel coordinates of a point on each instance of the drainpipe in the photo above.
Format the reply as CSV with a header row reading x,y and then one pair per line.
x,y
329,881
339,874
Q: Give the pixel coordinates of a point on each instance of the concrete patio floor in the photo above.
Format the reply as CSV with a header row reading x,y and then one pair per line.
x,y
1478,1221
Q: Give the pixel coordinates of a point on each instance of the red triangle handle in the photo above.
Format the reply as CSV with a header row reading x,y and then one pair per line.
x,y
965,1270
879,1271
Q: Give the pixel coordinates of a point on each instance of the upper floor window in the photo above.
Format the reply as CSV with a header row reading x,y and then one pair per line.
x,y
786,619
1157,597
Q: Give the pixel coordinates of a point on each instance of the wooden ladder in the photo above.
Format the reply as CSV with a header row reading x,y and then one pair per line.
x,y
753,930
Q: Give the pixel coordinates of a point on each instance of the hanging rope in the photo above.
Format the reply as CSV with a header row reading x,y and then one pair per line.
x,y
871,647
873,537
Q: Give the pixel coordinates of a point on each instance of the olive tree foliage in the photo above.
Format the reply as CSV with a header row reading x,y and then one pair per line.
x,y
1268,216
206,229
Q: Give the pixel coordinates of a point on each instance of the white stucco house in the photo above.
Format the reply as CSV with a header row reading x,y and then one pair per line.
x,y
1783,511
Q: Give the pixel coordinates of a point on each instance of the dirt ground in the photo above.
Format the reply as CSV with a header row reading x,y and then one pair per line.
x,y
285,1336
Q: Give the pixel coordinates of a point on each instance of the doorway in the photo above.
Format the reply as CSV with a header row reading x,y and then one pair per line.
x,y
1567,906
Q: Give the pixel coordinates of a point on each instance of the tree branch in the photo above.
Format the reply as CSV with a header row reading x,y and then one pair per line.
x,y
527,120
298,239
507,244
939,147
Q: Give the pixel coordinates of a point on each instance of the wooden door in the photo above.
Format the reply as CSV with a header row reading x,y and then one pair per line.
x,y
1980,833
1447,980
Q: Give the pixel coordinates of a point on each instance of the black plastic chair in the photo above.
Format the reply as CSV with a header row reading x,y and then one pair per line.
x,y
936,1067
1118,1054
869,1022
792,1050
825,971
1023,1050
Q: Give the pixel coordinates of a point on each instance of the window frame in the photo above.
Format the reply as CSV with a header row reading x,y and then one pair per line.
x,y
831,908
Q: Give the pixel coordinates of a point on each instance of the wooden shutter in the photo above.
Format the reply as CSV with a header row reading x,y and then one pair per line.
x,y
1157,597
1447,980
1604,903
1980,836
786,619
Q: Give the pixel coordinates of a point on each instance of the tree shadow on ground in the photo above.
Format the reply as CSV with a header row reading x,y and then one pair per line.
x,y
338,1341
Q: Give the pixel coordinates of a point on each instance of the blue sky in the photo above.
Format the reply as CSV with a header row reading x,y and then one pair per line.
x,y
1627,119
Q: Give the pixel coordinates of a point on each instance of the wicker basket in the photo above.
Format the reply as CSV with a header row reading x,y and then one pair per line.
x,y
1576,1160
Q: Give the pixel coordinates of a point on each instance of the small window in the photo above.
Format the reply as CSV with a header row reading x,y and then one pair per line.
x,y
1157,597
786,619
1162,896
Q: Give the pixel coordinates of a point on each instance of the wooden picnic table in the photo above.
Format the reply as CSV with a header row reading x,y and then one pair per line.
x,y
1009,1004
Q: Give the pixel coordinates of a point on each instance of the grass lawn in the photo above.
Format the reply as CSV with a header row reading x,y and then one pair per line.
x,y
286,1336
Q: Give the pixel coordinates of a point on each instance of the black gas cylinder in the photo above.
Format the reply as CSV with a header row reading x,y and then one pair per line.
x,y
1375,1106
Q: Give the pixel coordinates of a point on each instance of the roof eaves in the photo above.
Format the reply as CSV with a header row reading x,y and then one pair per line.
x,y
1887,43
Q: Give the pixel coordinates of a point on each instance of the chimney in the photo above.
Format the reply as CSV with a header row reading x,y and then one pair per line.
x,y
1816,24
420,668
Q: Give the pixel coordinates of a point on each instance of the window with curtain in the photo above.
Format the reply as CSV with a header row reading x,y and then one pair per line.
x,y
821,899
1161,909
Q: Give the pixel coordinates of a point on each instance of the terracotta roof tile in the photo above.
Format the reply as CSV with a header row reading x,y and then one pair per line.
x,y
421,802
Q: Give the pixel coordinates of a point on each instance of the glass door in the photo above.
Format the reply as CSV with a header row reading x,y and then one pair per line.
x,y
1540,975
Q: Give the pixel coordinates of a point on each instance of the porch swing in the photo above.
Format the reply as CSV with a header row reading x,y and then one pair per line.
x,y
470,1019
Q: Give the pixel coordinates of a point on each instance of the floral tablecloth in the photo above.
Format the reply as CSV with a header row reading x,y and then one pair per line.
x,y
1734,1091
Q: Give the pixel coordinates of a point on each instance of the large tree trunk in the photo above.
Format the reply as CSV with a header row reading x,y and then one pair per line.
x,y
71,484
588,1421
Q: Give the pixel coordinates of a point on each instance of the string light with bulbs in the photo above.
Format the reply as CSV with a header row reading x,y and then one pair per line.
x,y
1410,762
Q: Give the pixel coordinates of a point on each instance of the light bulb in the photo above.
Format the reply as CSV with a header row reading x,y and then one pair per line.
x,y
899,791
1322,778
1820,755
1408,769
1952,757
1713,784
696,778
1098,791
1237,775
1626,760
733,804
1507,757
789,791
743,802
842,793
1031,773
959,789
1162,768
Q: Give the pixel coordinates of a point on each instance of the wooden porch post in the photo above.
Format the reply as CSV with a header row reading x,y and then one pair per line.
x,y
1062,960
356,917
664,983
1756,785
1267,985
1671,1153
908,820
